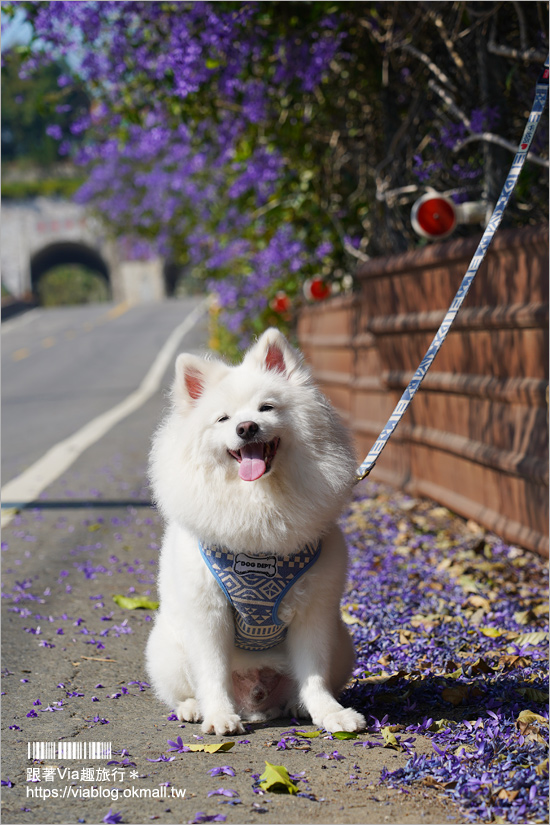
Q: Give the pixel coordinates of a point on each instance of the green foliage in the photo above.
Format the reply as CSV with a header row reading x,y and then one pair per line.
x,y
41,187
246,131
27,106
72,284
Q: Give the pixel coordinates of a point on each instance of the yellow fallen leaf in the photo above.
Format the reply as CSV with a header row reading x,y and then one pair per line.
x,y
527,717
524,617
275,778
531,638
492,632
542,769
349,619
481,666
441,724
220,746
378,678
508,795
468,584
135,602
389,739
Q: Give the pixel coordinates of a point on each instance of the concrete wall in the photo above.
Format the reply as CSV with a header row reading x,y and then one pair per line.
x,y
139,282
29,228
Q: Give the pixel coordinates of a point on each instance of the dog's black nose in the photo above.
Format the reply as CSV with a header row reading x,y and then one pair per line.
x,y
247,429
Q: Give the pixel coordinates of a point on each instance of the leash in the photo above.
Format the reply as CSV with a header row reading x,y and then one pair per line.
x,y
539,104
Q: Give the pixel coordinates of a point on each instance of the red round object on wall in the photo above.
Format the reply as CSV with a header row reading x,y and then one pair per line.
x,y
433,216
319,289
280,303
315,289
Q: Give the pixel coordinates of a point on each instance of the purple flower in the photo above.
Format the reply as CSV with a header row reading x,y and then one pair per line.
x,y
202,817
334,755
111,818
178,746
223,792
226,770
54,131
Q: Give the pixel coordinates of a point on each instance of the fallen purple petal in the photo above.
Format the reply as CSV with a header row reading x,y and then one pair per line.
x,y
226,770
178,746
112,818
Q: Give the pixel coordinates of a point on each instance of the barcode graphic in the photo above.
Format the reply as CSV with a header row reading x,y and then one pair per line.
x,y
69,750
41,750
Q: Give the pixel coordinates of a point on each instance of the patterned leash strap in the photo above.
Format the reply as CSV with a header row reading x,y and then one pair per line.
x,y
539,105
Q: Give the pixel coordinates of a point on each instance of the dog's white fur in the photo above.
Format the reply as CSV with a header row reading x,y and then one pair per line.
x,y
192,660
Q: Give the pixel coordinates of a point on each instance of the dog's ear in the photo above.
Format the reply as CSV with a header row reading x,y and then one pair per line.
x,y
193,375
272,352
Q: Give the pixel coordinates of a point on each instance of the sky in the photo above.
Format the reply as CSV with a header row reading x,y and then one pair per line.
x,y
15,32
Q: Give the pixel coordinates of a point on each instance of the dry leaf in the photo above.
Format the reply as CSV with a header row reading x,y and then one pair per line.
x,y
220,746
455,695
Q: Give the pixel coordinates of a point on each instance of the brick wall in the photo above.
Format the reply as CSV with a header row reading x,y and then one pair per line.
x,y
475,437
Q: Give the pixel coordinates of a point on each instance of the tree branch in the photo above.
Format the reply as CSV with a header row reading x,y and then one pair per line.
x,y
489,137
443,33
529,56
441,76
453,108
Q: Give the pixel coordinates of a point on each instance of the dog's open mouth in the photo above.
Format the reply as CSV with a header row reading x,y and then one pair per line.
x,y
255,458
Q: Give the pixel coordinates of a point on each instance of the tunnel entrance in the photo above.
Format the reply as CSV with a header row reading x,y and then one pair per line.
x,y
69,273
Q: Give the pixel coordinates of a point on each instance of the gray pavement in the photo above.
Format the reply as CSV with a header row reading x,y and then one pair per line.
x,y
73,673
63,366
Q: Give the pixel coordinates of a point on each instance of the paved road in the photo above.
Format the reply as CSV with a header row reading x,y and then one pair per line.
x,y
73,661
62,367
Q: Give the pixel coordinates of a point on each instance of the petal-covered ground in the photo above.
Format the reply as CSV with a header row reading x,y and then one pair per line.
x,y
451,630
450,627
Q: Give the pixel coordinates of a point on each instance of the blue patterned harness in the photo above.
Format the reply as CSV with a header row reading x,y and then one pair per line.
x,y
255,587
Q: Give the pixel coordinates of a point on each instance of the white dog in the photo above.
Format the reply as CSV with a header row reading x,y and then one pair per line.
x,y
251,468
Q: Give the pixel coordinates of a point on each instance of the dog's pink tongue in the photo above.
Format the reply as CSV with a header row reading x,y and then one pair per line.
x,y
252,464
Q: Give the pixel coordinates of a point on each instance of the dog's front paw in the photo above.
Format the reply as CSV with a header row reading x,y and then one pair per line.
x,y
345,719
188,711
222,723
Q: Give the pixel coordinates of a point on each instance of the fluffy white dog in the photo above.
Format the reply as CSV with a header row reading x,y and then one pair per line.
x,y
251,468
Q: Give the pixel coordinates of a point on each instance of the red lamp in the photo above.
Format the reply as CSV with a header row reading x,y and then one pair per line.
x,y
315,289
434,216
280,303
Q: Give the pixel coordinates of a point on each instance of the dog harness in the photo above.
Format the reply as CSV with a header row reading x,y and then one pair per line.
x,y
255,587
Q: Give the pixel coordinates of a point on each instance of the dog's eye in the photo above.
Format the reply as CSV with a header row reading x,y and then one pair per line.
x,y
222,418
266,408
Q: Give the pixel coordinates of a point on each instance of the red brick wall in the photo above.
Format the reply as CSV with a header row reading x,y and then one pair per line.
x,y
475,437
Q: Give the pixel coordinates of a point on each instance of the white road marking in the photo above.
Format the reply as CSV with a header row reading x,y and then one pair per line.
x,y
28,486
19,321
